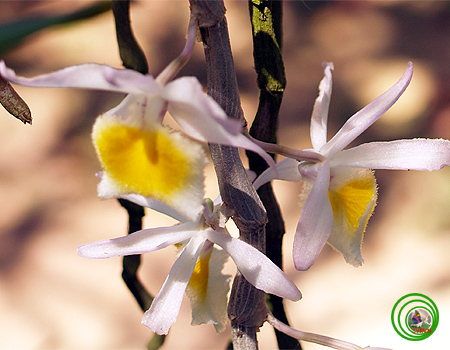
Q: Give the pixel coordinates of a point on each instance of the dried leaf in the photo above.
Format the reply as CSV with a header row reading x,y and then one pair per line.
x,y
13,103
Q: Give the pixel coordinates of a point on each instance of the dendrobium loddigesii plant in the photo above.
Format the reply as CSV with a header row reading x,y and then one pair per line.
x,y
341,184
146,162
160,168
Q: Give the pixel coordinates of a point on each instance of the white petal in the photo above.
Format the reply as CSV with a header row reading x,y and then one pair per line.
x,y
210,306
140,110
319,116
192,108
415,154
89,76
241,141
256,267
139,242
166,305
361,120
353,196
287,171
155,204
316,220
201,117
147,202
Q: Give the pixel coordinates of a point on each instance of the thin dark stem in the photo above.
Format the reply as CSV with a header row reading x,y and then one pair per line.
x,y
131,262
130,52
266,19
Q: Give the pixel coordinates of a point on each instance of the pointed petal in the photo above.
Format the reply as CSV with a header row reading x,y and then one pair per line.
x,y
256,267
316,221
166,305
415,154
353,196
140,242
287,171
319,117
241,141
361,120
201,117
208,288
192,108
157,205
89,76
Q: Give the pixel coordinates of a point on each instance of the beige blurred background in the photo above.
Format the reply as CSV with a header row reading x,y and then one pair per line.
x,y
52,299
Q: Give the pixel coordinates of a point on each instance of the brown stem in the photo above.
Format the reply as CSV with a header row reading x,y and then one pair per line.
x,y
246,307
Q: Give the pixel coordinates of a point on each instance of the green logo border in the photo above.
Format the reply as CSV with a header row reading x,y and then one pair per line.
x,y
423,302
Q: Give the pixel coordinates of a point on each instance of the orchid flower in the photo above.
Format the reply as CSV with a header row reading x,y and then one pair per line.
x,y
342,187
137,153
196,270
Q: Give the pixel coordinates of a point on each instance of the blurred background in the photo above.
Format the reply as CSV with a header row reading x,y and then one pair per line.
x,y
52,299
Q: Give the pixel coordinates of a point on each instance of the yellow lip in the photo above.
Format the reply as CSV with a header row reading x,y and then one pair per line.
x,y
153,162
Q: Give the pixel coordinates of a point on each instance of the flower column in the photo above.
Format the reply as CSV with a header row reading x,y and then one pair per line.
x,y
247,309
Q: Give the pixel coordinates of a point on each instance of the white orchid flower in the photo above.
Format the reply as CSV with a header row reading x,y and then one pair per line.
x,y
342,186
195,271
137,153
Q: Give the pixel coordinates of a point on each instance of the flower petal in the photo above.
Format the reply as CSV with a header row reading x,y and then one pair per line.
x,y
361,120
415,154
208,288
139,110
201,117
89,76
155,204
353,196
319,116
316,221
153,162
139,242
166,305
287,171
256,267
192,108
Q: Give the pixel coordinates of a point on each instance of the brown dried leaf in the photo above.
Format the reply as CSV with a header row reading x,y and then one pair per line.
x,y
13,103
